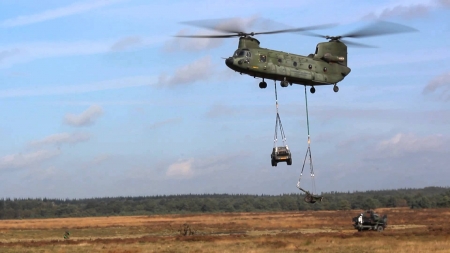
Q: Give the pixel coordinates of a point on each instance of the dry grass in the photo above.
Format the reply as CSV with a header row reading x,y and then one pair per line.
x,y
409,231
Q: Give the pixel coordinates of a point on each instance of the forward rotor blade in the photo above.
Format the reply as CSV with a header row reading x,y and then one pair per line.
x,y
300,29
380,28
221,25
208,36
314,34
238,25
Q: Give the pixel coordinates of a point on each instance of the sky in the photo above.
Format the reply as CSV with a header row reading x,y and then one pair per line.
x,y
98,98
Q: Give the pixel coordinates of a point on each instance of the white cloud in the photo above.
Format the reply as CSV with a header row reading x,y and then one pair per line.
x,y
181,169
61,138
128,82
441,82
126,43
15,161
408,11
444,3
69,10
25,52
211,164
198,70
406,144
85,118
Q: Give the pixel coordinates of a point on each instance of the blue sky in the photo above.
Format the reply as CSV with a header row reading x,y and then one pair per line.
x,y
98,98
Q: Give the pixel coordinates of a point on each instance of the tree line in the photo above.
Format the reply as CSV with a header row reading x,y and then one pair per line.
x,y
429,197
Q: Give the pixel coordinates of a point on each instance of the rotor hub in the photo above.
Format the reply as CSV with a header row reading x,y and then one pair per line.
x,y
333,38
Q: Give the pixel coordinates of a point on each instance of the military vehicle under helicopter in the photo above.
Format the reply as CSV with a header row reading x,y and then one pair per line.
x,y
327,66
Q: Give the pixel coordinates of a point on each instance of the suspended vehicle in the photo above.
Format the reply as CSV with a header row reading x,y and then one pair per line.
x,y
281,154
327,66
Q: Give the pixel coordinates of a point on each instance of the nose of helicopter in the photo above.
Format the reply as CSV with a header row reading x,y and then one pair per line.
x,y
229,61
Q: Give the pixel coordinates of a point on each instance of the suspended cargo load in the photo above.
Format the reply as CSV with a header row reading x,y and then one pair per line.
x,y
310,196
279,153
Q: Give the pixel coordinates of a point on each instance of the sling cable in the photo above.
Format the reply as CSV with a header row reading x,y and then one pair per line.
x,y
310,196
279,153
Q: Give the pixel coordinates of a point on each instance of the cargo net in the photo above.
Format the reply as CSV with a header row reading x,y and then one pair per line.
x,y
311,196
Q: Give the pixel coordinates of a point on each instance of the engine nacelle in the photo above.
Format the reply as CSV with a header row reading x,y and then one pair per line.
x,y
331,58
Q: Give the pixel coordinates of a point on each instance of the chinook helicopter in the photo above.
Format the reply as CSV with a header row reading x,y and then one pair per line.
x,y
327,66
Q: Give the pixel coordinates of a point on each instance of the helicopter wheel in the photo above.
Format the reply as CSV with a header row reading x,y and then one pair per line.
x,y
262,85
284,83
335,88
312,90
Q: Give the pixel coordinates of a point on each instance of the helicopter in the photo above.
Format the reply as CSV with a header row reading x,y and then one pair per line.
x,y
327,66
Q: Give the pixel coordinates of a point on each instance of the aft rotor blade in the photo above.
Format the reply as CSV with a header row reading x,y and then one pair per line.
x,y
355,44
380,28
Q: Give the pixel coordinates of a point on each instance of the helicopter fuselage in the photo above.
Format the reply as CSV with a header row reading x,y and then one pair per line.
x,y
326,67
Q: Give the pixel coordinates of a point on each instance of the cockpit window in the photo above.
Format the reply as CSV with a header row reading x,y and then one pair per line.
x,y
262,58
242,53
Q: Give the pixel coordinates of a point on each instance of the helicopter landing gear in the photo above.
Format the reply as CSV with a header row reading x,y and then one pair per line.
x,y
284,83
312,90
262,85
335,88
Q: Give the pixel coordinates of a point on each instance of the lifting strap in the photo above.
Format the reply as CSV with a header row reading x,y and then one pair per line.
x,y
308,155
278,123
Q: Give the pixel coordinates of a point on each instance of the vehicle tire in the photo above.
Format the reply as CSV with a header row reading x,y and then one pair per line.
x,y
274,164
289,162
380,228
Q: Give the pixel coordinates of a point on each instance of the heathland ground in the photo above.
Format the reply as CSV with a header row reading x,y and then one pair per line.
x,y
408,231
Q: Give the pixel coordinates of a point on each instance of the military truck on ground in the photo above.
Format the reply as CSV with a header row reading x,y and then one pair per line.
x,y
369,220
